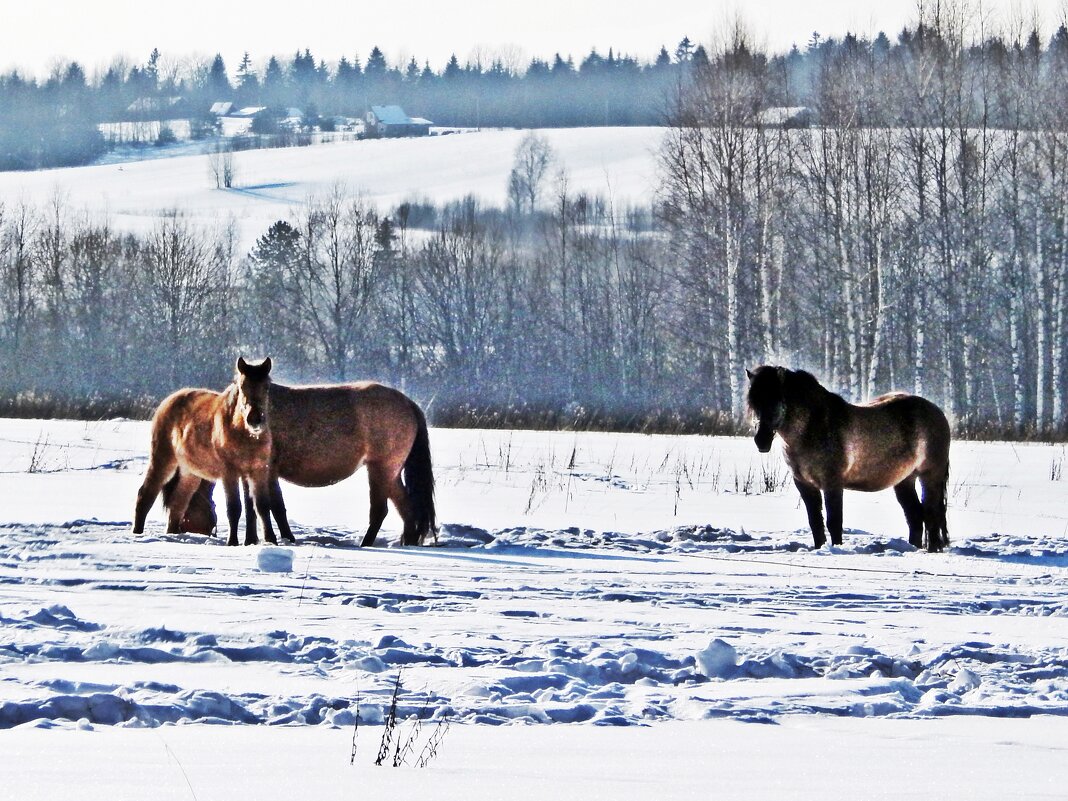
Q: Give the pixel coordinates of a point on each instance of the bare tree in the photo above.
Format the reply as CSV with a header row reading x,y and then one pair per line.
x,y
18,284
534,158
182,283
221,166
334,281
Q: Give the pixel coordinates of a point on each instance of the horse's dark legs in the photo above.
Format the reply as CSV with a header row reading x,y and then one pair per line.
x,y
833,499
251,535
399,495
261,494
278,507
910,503
933,485
232,488
814,506
379,485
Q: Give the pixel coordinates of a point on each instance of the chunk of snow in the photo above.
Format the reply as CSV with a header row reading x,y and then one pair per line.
x,y
275,560
966,680
719,660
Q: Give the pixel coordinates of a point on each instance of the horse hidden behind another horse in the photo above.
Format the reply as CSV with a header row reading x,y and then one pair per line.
x,y
200,434
323,434
832,445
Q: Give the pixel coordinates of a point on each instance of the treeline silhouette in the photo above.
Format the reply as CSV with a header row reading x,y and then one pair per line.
x,y
915,238
52,122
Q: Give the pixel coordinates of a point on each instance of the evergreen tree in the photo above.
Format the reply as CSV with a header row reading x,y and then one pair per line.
x,y
248,85
218,84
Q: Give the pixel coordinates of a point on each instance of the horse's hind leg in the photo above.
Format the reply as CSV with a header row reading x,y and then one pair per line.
x,y
933,483
814,507
183,493
378,481
910,504
399,495
158,473
833,500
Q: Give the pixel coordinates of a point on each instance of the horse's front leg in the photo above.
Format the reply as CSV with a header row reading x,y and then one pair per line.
x,y
233,506
261,494
251,535
833,500
814,506
278,507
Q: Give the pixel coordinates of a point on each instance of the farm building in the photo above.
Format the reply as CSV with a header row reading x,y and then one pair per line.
x,y
391,121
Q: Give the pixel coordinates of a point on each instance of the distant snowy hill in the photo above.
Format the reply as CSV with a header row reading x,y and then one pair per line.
x,y
271,183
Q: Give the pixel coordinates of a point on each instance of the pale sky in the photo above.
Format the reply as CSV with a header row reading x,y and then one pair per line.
x,y
36,34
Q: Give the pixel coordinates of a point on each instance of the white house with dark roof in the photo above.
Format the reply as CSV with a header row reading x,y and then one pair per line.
x,y
391,121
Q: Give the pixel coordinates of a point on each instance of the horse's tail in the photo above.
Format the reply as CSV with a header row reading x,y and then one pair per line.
x,y
944,509
419,481
169,487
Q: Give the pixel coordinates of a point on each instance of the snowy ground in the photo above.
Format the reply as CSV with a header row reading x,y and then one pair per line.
x,y
648,606
271,184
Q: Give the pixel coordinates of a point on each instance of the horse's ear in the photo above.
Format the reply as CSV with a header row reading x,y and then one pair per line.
x,y
265,366
749,373
242,365
782,374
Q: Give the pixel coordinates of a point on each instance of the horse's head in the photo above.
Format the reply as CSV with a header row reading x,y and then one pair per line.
x,y
252,382
767,400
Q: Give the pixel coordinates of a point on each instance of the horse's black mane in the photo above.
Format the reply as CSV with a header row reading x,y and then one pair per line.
x,y
802,385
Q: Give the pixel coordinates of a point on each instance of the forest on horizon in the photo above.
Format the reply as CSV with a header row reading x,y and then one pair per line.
x,y
53,121
914,236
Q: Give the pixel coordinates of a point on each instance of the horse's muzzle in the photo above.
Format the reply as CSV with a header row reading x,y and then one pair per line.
x,y
763,440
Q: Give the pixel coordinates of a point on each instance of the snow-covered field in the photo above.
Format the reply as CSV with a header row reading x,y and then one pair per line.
x,y
271,184
616,616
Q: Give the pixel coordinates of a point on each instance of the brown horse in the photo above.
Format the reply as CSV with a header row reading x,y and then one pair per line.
x,y
198,434
199,517
323,434
832,445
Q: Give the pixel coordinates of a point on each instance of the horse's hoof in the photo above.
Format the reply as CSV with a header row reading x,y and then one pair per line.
x,y
230,543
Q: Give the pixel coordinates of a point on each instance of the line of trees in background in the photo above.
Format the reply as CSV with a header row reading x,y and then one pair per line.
x,y
917,239
490,315
53,122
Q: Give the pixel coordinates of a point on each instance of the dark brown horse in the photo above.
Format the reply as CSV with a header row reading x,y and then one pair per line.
x,y
323,434
198,434
832,445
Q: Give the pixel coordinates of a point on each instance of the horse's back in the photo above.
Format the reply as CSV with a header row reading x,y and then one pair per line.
x,y
324,433
892,437
910,413
182,407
